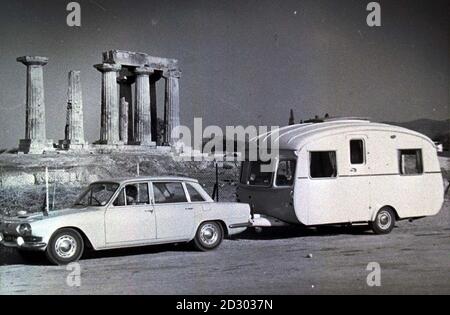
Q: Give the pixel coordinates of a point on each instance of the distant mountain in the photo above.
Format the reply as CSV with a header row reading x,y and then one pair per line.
x,y
432,128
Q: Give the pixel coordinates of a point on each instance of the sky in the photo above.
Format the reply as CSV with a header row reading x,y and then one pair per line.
x,y
244,62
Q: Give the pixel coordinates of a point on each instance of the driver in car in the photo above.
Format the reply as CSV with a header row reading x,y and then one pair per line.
x,y
132,195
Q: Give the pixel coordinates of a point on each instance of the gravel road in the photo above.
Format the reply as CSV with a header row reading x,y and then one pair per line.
x,y
415,258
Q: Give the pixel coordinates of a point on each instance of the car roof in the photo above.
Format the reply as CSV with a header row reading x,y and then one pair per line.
x,y
295,136
147,178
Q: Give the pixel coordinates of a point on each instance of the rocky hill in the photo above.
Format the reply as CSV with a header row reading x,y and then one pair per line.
x,y
22,177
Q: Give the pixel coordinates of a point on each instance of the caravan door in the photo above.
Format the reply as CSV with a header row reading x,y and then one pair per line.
x,y
324,189
338,181
356,172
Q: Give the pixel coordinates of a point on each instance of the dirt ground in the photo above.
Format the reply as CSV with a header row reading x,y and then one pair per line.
x,y
415,258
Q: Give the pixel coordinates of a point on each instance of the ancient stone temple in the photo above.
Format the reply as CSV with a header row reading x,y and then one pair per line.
x,y
129,104
131,118
35,141
74,129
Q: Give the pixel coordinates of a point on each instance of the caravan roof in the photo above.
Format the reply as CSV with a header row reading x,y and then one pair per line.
x,y
295,136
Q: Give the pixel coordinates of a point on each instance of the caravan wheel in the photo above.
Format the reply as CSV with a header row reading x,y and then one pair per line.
x,y
384,221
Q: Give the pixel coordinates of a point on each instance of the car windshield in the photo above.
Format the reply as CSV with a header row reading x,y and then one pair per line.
x,y
97,194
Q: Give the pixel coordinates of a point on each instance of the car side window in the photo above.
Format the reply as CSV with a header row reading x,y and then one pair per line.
x,y
194,194
120,199
137,194
169,193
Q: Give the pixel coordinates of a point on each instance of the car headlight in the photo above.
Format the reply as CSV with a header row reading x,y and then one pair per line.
x,y
24,229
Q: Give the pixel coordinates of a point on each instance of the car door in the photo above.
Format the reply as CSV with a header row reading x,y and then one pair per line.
x,y
131,219
175,216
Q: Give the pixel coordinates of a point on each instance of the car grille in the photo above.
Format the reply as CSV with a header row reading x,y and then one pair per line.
x,y
9,238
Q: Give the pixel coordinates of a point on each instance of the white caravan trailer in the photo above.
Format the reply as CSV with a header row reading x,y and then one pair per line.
x,y
345,172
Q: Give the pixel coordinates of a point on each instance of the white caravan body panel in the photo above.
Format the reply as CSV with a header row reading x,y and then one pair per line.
x,y
356,191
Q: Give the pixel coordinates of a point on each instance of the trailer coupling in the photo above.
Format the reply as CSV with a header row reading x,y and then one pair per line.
x,y
260,220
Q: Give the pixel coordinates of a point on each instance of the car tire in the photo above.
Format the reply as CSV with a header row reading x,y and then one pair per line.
x,y
209,236
65,246
384,221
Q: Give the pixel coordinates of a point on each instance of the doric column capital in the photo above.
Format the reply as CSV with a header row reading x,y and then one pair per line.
x,y
33,60
144,71
108,67
173,73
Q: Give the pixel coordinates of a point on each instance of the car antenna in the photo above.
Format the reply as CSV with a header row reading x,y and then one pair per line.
x,y
46,208
138,169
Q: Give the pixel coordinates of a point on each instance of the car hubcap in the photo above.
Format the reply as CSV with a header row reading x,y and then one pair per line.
x,y
66,246
384,220
209,234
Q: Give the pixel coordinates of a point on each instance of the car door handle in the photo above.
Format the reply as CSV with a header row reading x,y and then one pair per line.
x,y
150,210
353,170
188,208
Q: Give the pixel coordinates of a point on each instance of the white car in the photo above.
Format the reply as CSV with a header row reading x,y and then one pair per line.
x,y
128,213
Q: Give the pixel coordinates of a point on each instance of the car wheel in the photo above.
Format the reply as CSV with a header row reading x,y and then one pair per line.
x,y
209,236
384,221
65,246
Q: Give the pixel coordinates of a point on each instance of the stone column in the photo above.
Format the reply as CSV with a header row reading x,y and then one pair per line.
x,y
171,106
109,133
75,133
123,126
154,110
126,85
35,141
143,128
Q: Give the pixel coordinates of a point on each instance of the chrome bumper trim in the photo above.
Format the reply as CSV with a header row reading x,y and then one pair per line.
x,y
26,246
239,225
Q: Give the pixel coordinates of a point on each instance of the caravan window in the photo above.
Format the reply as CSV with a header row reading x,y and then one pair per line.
x,y
411,162
323,164
286,173
357,151
252,174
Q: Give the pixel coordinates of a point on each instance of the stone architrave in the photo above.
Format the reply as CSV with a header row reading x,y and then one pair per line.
x,y
35,141
172,106
143,129
109,131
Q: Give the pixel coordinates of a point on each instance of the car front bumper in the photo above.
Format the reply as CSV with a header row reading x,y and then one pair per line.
x,y
23,243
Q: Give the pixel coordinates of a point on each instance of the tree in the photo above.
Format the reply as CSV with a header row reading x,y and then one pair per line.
x,y
291,118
